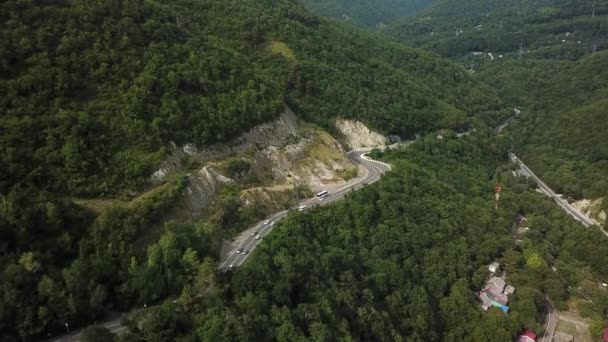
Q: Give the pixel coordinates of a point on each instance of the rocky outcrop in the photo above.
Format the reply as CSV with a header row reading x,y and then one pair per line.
x,y
202,187
275,133
593,209
281,155
356,135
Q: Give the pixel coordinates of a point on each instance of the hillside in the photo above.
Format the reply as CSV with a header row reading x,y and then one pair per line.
x,y
99,95
107,85
403,258
369,14
545,57
562,136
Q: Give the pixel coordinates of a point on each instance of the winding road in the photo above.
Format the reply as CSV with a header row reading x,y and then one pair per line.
x,y
375,170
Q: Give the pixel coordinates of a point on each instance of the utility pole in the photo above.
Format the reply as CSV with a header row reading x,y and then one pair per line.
x,y
497,191
521,50
593,10
594,50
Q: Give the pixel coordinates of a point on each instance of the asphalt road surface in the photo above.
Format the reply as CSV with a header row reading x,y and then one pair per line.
x,y
375,171
545,189
551,322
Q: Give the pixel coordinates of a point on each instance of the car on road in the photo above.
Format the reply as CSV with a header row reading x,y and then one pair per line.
x,y
302,208
239,251
245,252
254,233
267,222
231,267
272,224
257,237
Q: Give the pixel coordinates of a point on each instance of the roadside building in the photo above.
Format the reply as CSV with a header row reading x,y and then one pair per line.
x,y
496,293
527,336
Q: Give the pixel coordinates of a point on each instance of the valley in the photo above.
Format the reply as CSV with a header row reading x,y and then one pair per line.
x,y
286,170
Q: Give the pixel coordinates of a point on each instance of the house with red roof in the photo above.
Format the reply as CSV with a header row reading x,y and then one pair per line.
x,y
527,336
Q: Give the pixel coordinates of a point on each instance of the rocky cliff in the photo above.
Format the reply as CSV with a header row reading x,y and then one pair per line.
x,y
278,155
356,135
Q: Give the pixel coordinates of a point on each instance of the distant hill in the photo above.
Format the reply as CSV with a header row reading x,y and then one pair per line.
x,y
365,13
546,28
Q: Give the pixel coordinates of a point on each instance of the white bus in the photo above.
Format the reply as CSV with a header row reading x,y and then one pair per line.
x,y
323,194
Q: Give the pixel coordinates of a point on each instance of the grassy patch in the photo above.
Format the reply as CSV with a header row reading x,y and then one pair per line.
x,y
282,49
97,205
349,173
579,333
323,149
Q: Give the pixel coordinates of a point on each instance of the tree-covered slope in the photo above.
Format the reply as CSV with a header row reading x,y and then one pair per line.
x,y
369,14
93,91
565,29
401,259
548,60
563,133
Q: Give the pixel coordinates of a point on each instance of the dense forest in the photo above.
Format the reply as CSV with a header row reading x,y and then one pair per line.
x,y
562,134
106,85
369,14
93,92
548,59
403,257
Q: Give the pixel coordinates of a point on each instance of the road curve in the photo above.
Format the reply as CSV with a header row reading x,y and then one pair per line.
x,y
375,171
551,321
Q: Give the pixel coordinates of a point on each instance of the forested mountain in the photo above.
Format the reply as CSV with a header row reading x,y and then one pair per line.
x,y
546,58
106,85
563,135
369,14
93,92
401,259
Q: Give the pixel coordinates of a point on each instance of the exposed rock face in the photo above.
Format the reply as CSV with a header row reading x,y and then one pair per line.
x,y
357,135
202,188
275,133
281,153
593,209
